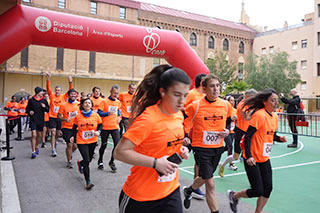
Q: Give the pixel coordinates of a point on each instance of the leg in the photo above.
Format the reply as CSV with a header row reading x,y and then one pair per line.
x,y
53,138
84,151
115,137
104,142
33,140
38,139
44,134
211,196
261,202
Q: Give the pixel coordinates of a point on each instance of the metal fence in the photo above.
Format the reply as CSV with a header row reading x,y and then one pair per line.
x,y
307,124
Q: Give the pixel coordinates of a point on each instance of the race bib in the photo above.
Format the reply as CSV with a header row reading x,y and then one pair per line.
x,y
87,135
73,114
211,138
113,109
128,108
56,109
167,178
267,147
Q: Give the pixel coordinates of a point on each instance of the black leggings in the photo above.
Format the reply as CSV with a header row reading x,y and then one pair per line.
x,y
260,178
229,142
124,123
104,141
86,151
292,123
238,133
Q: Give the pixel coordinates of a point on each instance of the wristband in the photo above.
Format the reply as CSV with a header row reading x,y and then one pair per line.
x,y
154,163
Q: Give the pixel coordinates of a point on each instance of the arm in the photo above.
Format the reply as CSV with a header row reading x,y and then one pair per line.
x,y
103,114
70,82
279,138
247,143
48,84
63,119
293,101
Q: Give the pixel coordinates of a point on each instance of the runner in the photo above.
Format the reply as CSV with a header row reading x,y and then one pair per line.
x,y
45,132
208,118
109,110
67,113
155,134
13,109
56,99
126,101
86,129
257,148
242,125
36,107
96,98
22,113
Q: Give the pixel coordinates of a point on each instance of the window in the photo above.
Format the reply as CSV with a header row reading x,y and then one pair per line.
x,y
93,7
304,43
318,69
27,1
294,45
318,38
193,39
225,45
240,71
211,42
318,102
159,27
62,4
318,10
24,57
241,47
303,85
304,64
156,62
264,51
92,62
122,13
60,52
271,49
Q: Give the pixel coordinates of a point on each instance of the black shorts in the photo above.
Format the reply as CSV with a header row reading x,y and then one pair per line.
x,y
55,123
238,134
170,204
208,159
67,134
36,126
46,124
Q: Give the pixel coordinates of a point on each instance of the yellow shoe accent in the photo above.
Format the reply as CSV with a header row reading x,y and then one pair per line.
x,y
221,171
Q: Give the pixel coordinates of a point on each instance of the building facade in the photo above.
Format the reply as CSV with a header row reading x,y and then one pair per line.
x,y
206,35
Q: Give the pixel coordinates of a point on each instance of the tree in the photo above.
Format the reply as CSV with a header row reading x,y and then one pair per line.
x,y
222,68
274,71
237,87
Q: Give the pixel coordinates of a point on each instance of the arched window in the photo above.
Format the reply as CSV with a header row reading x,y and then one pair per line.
x,y
193,39
225,45
211,42
241,47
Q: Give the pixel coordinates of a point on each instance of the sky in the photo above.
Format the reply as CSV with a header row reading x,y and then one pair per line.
x,y
270,13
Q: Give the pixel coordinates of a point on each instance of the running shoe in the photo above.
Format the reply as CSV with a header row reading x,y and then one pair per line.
x,y
233,167
69,165
100,165
89,185
198,194
187,197
53,153
113,167
43,145
33,155
37,151
80,167
232,200
221,170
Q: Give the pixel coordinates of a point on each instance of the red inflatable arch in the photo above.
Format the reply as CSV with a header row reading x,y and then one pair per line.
x,y
23,25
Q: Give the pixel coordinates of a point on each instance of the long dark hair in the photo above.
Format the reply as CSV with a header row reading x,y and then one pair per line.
x,y
147,93
256,102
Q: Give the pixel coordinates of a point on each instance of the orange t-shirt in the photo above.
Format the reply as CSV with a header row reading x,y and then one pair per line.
x,y
96,103
126,101
155,134
86,128
46,114
207,120
14,106
68,110
22,108
193,95
56,101
262,139
241,122
110,122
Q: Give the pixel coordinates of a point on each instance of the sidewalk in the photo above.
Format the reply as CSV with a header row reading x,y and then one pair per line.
x,y
45,184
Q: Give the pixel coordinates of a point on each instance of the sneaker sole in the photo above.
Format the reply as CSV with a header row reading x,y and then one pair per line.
x,y
186,202
198,197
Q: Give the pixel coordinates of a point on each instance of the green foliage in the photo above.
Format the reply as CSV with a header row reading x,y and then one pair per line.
x,y
274,71
237,87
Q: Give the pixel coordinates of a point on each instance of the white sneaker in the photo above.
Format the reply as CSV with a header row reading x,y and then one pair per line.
x,y
233,167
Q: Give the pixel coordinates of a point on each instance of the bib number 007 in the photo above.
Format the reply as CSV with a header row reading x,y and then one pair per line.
x,y
211,138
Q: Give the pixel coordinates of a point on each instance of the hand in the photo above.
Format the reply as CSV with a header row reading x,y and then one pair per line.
x,y
164,166
68,120
251,161
112,113
184,152
31,112
96,133
283,138
48,75
224,134
70,79
118,119
186,141
43,105
281,95
233,118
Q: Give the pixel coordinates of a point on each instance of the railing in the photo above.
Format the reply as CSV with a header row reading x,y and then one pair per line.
x,y
307,124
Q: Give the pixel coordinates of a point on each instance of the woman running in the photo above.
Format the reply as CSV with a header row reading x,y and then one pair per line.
x,y
87,127
257,148
155,134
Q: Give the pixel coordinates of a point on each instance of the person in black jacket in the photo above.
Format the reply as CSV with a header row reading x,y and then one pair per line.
x,y
36,108
293,106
